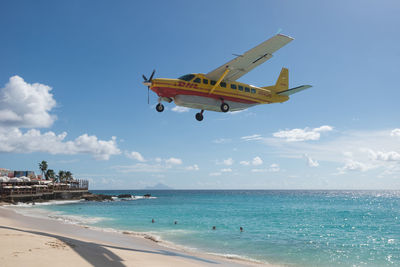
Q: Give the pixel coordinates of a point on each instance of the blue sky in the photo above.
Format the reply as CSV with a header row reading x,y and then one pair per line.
x,y
71,93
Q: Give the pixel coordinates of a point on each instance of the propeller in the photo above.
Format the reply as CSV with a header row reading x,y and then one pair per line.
x,y
148,83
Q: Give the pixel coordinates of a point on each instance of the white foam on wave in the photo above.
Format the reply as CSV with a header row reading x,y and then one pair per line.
x,y
29,210
142,197
238,257
131,198
76,219
50,202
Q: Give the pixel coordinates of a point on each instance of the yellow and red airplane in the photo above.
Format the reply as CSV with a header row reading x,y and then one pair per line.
x,y
219,90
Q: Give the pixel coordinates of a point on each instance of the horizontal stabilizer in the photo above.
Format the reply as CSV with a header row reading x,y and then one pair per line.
x,y
294,90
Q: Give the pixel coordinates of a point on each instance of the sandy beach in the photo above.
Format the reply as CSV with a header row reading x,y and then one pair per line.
x,y
31,241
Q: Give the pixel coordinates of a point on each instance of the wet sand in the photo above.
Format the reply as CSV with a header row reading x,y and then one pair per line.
x,y
31,241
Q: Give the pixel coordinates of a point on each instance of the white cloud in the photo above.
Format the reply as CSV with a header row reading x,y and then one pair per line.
x,y
395,132
156,165
194,167
257,161
222,140
135,155
272,168
253,137
352,165
141,167
310,161
245,163
180,109
215,174
173,161
227,162
24,105
296,135
15,141
226,170
385,156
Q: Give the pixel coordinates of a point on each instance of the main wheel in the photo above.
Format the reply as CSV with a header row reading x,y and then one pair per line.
x,y
160,107
224,107
199,116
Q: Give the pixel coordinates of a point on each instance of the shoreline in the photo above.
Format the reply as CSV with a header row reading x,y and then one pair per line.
x,y
125,241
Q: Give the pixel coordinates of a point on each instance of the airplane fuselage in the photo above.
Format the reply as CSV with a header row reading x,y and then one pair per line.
x,y
193,91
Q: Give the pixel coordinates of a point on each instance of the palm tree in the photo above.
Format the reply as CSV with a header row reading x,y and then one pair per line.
x,y
43,167
68,176
50,174
61,176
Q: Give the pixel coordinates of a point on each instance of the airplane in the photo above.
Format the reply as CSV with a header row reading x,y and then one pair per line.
x,y
219,89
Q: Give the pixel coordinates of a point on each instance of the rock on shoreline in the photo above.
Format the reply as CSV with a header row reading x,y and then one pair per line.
x,y
96,197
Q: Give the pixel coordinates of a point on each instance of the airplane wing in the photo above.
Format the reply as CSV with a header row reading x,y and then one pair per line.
x,y
294,90
242,64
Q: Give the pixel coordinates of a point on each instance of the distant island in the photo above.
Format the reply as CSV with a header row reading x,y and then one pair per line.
x,y
158,186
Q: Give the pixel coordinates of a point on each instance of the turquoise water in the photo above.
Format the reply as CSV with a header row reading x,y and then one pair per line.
x,y
295,228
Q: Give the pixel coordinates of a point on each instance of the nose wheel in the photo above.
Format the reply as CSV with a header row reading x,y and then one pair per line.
x,y
160,107
199,116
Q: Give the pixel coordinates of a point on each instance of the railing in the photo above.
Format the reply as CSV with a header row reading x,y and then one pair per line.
x,y
20,189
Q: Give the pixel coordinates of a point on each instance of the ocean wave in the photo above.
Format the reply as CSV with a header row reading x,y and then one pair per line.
x,y
131,198
50,202
75,219
56,215
238,257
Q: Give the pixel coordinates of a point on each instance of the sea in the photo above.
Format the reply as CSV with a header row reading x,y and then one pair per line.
x,y
283,227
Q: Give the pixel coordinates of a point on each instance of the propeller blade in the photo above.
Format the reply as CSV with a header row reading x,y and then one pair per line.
x,y
152,74
144,77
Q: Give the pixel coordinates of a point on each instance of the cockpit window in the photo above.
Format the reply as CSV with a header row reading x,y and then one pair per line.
x,y
187,77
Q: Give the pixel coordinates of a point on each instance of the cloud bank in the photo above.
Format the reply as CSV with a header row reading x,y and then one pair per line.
x,y
297,135
24,105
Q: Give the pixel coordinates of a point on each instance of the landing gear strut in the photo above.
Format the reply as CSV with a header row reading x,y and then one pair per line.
x,y
160,107
199,116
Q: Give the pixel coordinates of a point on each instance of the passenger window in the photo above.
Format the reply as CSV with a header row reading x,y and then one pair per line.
x,y
240,88
247,89
222,84
233,86
205,81
197,80
213,82
253,91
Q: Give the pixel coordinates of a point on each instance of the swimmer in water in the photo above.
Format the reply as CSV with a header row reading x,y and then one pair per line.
x,y
152,220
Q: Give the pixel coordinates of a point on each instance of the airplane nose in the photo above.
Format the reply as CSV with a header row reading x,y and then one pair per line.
x,y
147,83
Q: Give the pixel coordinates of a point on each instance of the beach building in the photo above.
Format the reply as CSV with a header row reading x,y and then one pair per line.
x,y
26,186
30,174
6,172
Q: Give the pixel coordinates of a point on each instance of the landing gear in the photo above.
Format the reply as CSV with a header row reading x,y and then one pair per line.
x,y
224,107
199,116
160,107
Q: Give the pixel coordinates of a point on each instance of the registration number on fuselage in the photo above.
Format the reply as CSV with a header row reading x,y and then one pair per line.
x,y
187,85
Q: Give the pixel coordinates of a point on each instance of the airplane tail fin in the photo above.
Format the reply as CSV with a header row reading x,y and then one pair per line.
x,y
282,85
